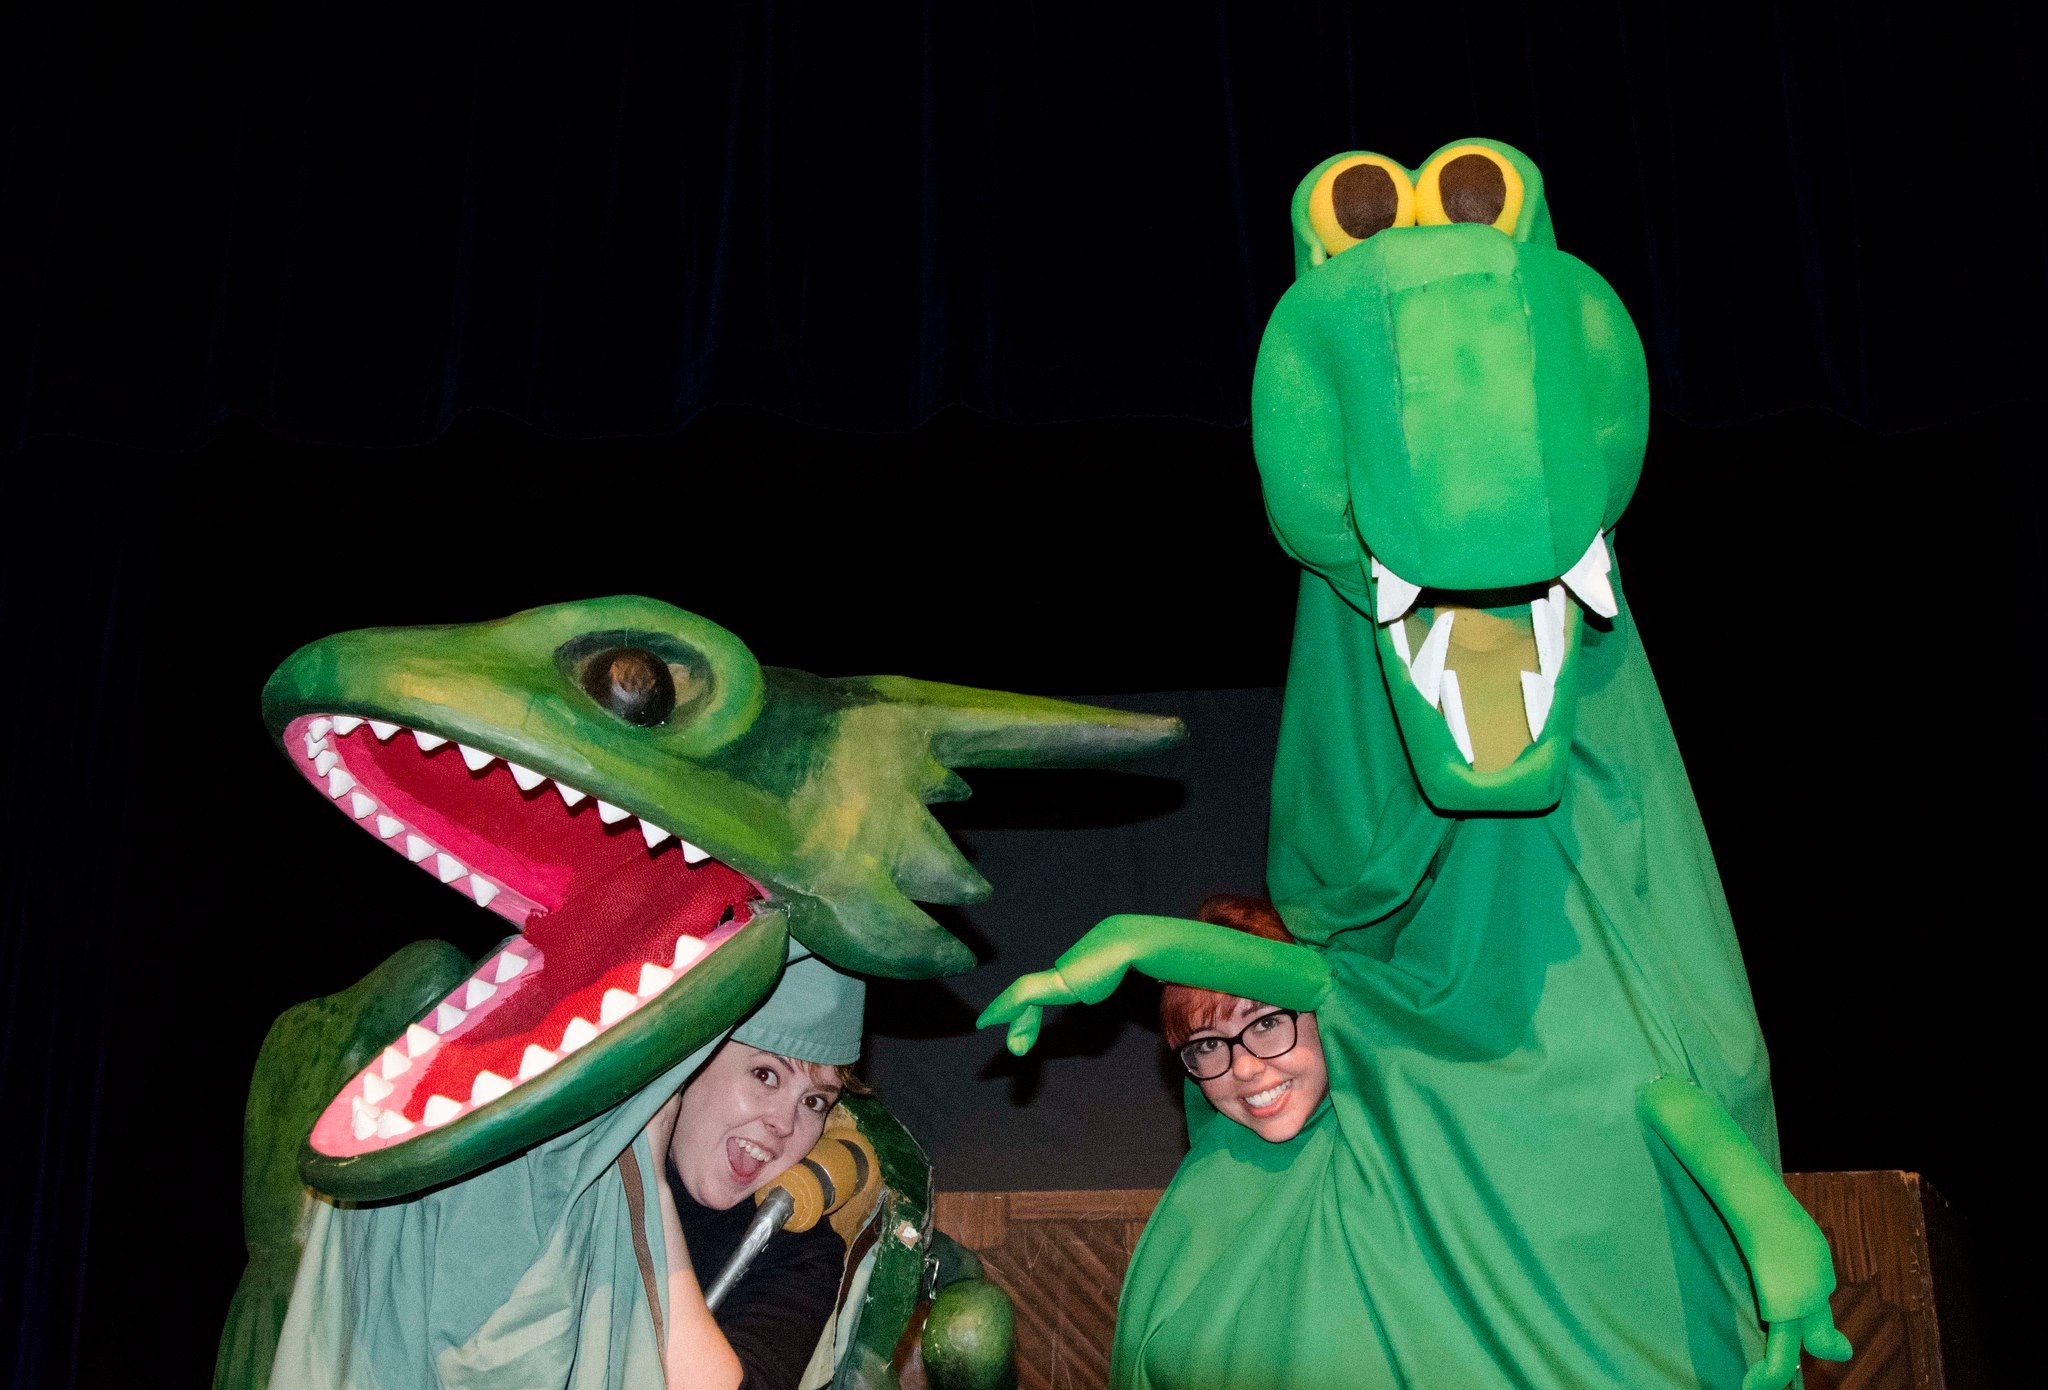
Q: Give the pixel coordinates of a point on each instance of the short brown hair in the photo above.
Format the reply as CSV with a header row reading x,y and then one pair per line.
x,y
1183,1009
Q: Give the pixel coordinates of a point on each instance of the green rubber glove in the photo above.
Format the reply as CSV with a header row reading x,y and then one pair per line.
x,y
1787,1254
1170,949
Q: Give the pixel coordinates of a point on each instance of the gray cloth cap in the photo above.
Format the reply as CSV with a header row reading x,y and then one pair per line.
x,y
814,1014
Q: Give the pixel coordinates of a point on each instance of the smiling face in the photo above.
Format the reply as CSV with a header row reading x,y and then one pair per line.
x,y
1270,1096
745,1118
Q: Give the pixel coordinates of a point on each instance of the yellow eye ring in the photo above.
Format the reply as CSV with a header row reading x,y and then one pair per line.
x,y
1357,197
1469,183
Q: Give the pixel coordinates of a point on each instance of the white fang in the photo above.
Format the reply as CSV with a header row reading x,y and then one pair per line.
x,y
1588,579
1392,595
1454,715
1537,691
1427,670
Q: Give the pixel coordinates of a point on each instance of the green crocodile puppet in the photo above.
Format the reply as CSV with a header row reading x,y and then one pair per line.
x,y
665,822
1548,1157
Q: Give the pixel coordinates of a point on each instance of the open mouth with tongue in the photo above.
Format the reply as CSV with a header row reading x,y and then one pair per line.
x,y
612,912
1484,682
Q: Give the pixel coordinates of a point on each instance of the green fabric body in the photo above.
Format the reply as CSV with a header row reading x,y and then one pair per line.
x,y
523,1274
1478,1204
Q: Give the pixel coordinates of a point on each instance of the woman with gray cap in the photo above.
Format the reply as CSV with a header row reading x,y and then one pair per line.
x,y
753,1110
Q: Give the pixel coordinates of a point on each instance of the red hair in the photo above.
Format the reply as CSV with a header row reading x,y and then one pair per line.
x,y
1184,1009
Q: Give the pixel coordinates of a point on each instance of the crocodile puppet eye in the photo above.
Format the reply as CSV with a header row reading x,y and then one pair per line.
x,y
632,683
1358,196
1469,183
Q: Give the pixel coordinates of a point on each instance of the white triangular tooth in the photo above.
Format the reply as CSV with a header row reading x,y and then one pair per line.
x,y
440,1110
1454,715
479,990
509,964
535,1060
693,855
375,1088
482,889
319,727
417,849
363,1117
361,805
1427,670
526,777
382,730
1537,692
1588,579
652,833
419,1041
391,1124
315,746
475,759
427,742
325,761
487,1087
346,724
447,1017
339,783
688,948
570,796
1392,594
610,814
449,868
580,1031
615,1005
395,1063
1548,649
653,980
1397,633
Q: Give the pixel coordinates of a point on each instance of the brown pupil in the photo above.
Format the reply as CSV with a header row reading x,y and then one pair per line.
x,y
1364,200
1472,189
630,674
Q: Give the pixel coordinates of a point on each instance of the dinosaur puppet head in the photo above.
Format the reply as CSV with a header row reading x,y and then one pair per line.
x,y
657,814
1449,414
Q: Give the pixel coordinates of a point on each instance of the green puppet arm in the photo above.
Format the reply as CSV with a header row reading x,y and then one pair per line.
x,y
1170,949
1787,1254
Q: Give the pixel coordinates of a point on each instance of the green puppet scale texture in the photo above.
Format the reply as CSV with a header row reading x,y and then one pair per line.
x,y
1548,1157
594,763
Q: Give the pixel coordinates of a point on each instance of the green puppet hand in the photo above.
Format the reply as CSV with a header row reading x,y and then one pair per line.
x,y
1787,1254
1782,1343
1170,949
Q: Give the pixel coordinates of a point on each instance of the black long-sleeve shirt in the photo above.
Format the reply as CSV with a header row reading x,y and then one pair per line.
x,y
773,1315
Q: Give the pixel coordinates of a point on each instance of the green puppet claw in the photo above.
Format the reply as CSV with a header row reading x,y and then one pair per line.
x,y
1169,949
655,814
1787,1254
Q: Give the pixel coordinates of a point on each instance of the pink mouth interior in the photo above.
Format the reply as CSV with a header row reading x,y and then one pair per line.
x,y
608,921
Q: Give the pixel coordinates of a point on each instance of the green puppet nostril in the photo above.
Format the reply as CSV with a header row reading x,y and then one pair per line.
x,y
632,683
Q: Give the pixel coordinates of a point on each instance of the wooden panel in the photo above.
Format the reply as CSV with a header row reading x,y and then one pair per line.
x,y
1061,1256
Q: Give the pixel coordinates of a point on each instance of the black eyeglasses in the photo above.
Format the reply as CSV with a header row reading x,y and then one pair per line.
x,y
1265,1037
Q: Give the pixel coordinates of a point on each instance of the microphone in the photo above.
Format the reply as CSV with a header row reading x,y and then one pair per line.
x,y
839,1173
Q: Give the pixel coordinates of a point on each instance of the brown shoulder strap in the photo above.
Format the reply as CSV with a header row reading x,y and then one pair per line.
x,y
636,1208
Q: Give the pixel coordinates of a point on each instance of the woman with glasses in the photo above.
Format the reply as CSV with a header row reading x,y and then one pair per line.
x,y
1258,1064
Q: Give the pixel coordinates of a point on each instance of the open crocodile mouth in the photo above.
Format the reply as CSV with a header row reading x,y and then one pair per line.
x,y
1488,662
612,911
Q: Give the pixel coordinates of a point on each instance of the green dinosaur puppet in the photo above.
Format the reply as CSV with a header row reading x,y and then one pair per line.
x,y
1534,1010
664,821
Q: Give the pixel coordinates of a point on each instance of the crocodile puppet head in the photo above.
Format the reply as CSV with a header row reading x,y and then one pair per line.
x,y
1449,413
657,814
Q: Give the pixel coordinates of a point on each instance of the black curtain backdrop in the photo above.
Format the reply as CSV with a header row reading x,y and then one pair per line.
x,y
919,339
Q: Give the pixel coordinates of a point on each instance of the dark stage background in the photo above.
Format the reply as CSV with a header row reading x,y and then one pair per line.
x,y
919,339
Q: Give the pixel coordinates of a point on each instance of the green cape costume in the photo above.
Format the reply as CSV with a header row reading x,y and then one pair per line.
x,y
1548,1156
